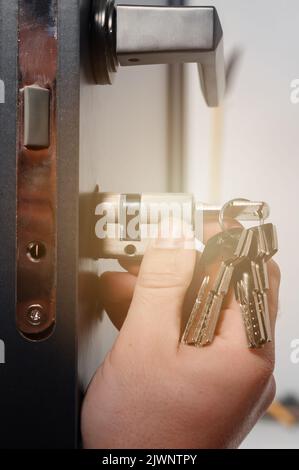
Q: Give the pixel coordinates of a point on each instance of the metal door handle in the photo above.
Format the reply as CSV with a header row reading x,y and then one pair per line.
x,y
129,35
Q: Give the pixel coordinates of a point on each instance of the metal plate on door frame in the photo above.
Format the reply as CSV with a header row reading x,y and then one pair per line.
x,y
36,170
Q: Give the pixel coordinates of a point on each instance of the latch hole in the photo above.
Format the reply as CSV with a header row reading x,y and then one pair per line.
x,y
36,251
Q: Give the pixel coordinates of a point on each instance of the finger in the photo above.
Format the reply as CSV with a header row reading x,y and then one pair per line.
x,y
165,274
116,292
132,265
211,227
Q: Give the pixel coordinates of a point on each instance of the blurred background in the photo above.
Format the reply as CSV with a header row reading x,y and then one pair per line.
x,y
155,133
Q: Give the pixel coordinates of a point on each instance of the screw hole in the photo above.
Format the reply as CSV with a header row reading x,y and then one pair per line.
x,y
130,250
36,251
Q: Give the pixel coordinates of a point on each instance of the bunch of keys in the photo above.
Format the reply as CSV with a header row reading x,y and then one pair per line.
x,y
235,256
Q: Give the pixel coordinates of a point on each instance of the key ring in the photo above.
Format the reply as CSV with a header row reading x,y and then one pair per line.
x,y
262,212
224,208
261,217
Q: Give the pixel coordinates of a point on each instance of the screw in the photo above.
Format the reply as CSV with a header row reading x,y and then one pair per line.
x,y
35,315
36,251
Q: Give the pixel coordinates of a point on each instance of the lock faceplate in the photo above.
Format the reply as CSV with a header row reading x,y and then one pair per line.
x,y
36,169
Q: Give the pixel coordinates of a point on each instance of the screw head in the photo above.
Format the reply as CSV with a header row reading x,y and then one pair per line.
x,y
36,251
35,315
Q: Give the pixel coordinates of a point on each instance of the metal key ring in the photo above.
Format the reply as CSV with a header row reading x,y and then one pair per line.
x,y
221,218
223,209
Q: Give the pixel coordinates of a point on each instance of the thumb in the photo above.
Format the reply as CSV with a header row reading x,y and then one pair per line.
x,y
164,277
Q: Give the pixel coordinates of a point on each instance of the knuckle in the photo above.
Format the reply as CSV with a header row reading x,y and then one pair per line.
x,y
259,366
267,396
262,371
266,365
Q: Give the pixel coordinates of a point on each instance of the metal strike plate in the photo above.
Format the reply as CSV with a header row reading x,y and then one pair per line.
x,y
36,169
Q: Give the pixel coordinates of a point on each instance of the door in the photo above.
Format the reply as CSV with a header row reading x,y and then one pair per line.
x,y
127,143
39,183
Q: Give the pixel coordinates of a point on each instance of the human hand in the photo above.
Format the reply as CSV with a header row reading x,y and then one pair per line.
x,y
154,392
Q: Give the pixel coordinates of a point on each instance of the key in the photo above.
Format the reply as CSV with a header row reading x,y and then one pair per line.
x,y
251,285
251,311
220,256
267,246
246,286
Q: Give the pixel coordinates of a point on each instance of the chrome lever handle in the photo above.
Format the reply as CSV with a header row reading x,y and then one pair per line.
x,y
128,35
